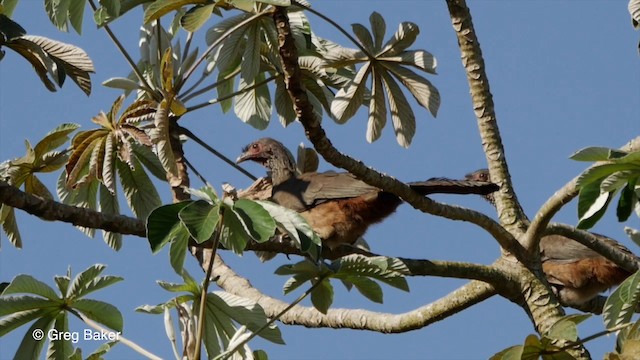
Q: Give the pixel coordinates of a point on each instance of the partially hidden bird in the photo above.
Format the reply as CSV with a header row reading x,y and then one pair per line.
x,y
339,207
576,272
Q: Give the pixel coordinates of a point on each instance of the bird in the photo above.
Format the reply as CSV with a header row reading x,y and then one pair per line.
x,y
339,207
575,272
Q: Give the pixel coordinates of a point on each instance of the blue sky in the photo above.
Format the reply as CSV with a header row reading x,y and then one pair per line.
x,y
564,75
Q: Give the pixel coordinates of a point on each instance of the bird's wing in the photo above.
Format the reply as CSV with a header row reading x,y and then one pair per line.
x,y
331,185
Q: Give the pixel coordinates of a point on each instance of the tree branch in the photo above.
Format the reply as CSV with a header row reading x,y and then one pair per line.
x,y
458,300
511,215
317,136
52,210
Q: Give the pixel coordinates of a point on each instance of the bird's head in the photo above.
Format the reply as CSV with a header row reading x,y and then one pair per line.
x,y
267,151
481,175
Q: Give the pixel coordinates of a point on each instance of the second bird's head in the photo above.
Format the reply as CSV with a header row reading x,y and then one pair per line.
x,y
482,175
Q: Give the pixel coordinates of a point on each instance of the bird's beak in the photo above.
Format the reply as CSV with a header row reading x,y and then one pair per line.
x,y
243,157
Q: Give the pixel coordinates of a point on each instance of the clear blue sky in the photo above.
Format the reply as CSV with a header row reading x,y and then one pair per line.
x,y
564,75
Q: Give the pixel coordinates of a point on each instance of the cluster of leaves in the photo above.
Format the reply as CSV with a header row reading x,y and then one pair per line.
x,y
43,158
616,171
119,148
52,60
231,222
354,270
228,318
50,310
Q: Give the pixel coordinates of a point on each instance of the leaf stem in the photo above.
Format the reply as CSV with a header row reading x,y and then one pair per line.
x,y
209,87
205,287
215,152
337,26
124,52
241,91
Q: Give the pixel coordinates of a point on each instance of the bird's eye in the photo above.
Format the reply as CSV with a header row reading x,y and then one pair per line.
x,y
254,146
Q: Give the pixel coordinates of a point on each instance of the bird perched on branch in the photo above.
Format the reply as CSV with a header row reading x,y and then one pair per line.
x,y
576,272
338,206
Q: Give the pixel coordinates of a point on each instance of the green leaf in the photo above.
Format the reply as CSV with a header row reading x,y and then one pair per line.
x,y
121,83
200,218
28,284
10,226
378,28
8,7
31,348
367,287
139,191
402,116
388,270
293,224
253,106
76,15
510,353
160,8
246,312
422,90
197,16
109,205
79,286
234,234
566,328
592,204
178,250
104,313
322,296
161,138
404,37
16,304
54,139
260,225
163,225
363,35
57,10
60,348
295,282
149,160
597,173
251,57
596,153
377,109
627,202
620,305
349,99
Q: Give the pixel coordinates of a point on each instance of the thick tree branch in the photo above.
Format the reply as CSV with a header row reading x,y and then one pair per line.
x,y
52,210
317,136
458,300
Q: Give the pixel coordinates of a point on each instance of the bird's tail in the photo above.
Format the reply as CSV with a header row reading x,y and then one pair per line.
x,y
450,186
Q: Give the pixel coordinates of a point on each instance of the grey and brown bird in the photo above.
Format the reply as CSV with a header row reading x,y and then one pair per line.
x,y
338,206
576,272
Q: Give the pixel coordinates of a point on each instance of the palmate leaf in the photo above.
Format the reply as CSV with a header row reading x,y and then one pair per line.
x,y
10,226
109,205
350,98
201,219
30,348
377,109
104,313
161,138
30,285
164,225
422,90
251,57
294,225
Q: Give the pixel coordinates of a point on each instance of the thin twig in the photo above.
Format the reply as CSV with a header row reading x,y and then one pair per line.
x,y
124,52
241,91
215,152
205,287
187,97
195,171
218,41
